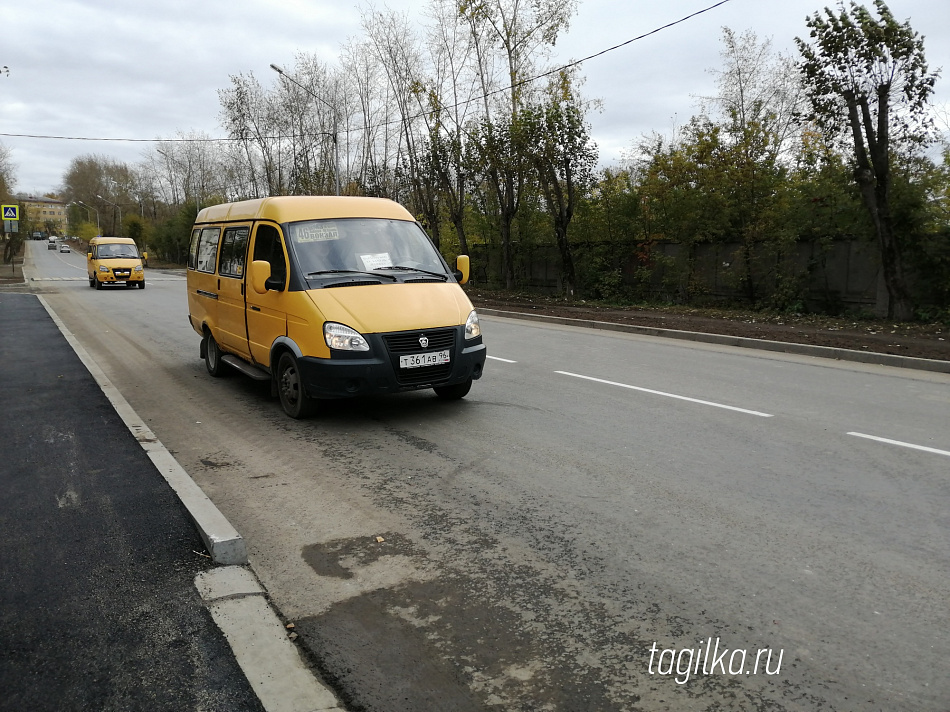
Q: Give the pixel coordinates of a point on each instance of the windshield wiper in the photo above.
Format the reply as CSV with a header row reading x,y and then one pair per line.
x,y
442,276
349,271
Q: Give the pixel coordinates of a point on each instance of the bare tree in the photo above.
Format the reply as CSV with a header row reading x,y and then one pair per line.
x,y
401,55
249,115
757,86
512,36
448,103
7,170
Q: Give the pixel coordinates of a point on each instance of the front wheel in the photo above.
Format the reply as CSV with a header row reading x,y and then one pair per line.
x,y
293,397
213,361
454,392
98,284
142,284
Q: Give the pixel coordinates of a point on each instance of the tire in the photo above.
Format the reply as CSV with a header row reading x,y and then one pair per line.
x,y
293,399
92,282
216,367
454,392
142,284
98,284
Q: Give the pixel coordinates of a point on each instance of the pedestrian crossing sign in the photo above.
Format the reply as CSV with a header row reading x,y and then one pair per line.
x,y
11,212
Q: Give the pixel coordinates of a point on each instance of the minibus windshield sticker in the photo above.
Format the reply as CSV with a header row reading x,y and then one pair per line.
x,y
315,233
376,261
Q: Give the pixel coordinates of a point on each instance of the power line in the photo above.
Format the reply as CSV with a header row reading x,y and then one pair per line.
x,y
448,106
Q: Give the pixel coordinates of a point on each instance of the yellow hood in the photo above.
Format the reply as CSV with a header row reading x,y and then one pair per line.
x,y
121,262
372,309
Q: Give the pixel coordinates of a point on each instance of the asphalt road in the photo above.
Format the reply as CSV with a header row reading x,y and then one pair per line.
x,y
98,606
594,495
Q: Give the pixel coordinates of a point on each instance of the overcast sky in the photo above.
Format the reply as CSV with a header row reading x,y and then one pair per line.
x,y
144,70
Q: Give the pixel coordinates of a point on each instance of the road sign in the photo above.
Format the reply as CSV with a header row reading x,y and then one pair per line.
x,y
11,212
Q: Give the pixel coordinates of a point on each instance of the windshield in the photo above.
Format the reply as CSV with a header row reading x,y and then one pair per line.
x,y
116,251
325,247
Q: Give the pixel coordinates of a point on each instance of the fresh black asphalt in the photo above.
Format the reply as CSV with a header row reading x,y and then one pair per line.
x,y
98,608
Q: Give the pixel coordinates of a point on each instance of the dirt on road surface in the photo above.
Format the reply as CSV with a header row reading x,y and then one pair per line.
x,y
913,339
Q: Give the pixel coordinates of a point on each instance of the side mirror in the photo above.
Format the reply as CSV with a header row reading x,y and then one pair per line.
x,y
145,257
88,255
462,269
260,273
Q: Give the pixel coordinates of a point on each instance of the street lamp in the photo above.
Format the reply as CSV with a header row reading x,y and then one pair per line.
x,y
334,135
115,206
98,229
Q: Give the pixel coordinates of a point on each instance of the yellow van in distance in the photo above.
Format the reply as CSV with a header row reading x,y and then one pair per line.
x,y
114,260
330,297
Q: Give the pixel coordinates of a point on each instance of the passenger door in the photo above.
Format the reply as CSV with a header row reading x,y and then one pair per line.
x,y
267,313
232,325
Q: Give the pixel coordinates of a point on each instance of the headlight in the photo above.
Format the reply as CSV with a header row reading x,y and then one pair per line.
x,y
103,268
472,329
138,268
343,338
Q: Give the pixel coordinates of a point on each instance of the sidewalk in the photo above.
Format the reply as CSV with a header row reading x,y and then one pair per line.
x,y
98,557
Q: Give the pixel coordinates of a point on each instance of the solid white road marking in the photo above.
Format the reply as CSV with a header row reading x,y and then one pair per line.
x,y
505,360
667,395
902,444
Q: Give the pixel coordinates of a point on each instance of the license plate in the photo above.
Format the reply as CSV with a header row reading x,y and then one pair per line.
x,y
433,358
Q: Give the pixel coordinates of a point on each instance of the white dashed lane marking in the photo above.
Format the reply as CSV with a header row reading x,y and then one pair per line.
x,y
902,444
667,395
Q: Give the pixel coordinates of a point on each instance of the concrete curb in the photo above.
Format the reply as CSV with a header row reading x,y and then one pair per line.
x,y
273,666
221,539
923,364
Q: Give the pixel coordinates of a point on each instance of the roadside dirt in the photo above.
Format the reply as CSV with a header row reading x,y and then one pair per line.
x,y
918,340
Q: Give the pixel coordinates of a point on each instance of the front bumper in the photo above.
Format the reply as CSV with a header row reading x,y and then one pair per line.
x,y
378,371
120,276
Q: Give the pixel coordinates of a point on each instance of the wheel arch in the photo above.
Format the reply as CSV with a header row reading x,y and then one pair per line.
x,y
280,345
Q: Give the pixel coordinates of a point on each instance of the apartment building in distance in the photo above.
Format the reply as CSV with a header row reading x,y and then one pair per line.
x,y
48,215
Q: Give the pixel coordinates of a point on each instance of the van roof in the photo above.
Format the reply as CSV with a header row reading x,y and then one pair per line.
x,y
112,240
291,208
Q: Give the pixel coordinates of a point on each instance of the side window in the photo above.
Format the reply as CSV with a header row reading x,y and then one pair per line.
x,y
193,249
208,249
267,247
233,252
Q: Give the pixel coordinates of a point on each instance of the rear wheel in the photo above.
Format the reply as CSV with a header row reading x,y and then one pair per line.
x,y
293,397
453,392
213,361
92,282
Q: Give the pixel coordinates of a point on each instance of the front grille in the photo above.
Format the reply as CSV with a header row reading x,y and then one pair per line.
x,y
122,272
407,342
